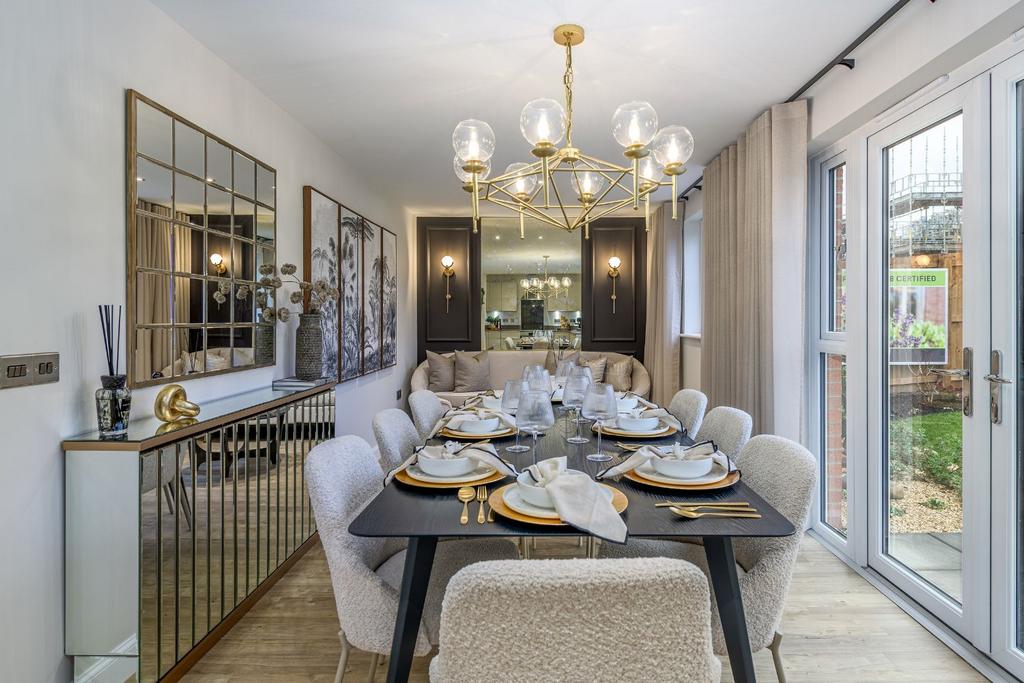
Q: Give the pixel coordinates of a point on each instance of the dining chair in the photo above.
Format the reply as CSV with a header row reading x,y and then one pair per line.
x,y
784,473
397,437
427,408
578,620
342,476
541,344
171,480
510,344
688,406
728,427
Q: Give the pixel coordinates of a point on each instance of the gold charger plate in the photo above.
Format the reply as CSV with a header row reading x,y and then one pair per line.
x,y
404,477
724,483
614,431
453,434
497,503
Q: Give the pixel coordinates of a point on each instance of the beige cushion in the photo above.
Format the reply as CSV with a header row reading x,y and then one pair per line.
x,y
440,372
596,365
551,360
620,374
472,371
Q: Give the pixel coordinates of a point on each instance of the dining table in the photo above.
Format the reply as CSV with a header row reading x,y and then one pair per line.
x,y
425,516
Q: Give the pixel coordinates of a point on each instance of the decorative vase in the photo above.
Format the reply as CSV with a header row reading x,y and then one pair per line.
x,y
265,344
113,405
309,347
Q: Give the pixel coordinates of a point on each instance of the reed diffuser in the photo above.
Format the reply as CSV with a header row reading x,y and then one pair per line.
x,y
113,399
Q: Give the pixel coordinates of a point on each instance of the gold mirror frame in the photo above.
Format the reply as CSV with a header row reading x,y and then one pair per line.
x,y
178,342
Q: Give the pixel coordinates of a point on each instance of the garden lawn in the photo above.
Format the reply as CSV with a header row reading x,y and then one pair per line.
x,y
937,445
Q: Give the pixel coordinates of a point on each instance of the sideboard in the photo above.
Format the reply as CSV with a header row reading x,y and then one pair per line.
x,y
174,530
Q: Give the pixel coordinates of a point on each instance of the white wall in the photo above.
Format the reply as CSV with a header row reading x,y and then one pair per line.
x,y
63,70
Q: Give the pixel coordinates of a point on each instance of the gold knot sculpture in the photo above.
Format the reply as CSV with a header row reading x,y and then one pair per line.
x,y
172,404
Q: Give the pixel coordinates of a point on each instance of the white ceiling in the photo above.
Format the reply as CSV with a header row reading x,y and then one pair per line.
x,y
385,82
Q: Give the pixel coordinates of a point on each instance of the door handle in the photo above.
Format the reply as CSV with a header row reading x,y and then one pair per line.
x,y
963,374
995,386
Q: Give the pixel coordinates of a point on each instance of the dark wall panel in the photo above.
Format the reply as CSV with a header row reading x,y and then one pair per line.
x,y
459,327
623,330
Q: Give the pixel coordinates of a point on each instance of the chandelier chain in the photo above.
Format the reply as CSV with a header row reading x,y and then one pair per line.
x,y
567,81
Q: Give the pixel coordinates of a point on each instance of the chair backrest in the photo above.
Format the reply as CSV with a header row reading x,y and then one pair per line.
x,y
785,474
688,406
583,608
397,437
541,344
510,344
728,427
426,410
342,475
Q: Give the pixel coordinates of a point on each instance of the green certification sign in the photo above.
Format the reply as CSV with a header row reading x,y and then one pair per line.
x,y
918,316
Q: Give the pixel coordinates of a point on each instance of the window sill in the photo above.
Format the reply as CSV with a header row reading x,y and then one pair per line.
x,y
690,336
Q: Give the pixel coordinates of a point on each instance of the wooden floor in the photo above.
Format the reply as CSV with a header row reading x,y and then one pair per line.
x,y
837,628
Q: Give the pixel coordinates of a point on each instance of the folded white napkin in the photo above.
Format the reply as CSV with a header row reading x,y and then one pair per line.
x,y
579,500
455,418
640,399
484,454
675,451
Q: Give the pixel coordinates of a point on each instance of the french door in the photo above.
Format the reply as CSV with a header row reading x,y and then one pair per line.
x,y
929,339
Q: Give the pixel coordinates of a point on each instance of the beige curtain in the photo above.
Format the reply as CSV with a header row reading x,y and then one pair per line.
x,y
754,236
664,305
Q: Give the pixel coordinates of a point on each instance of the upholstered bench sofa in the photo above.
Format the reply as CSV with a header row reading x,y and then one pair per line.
x,y
506,365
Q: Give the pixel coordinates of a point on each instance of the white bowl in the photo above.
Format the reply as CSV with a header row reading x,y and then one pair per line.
x,y
683,469
531,493
485,426
637,424
450,467
627,404
491,403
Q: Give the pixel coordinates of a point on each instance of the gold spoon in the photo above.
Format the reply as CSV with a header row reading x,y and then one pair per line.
x,y
690,514
466,494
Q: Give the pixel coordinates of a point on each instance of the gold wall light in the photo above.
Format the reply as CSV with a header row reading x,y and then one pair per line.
x,y
217,261
448,264
613,272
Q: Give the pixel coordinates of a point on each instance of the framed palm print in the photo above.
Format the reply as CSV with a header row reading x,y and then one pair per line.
x,y
373,294
389,314
351,298
321,214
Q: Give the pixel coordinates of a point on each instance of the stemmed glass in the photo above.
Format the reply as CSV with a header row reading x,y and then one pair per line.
x,y
540,380
572,397
529,370
534,414
565,367
599,404
510,399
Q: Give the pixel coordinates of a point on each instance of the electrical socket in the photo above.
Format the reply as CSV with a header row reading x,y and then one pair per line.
x,y
398,395
26,370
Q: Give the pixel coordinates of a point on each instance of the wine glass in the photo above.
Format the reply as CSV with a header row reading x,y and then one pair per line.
x,y
510,398
540,380
534,414
530,369
564,368
599,404
572,397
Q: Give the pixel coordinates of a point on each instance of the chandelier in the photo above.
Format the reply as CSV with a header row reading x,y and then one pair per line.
x,y
548,287
565,187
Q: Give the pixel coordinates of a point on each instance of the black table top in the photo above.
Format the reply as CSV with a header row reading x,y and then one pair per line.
x,y
402,510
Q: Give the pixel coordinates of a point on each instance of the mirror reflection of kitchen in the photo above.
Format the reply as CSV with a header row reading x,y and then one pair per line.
x,y
531,286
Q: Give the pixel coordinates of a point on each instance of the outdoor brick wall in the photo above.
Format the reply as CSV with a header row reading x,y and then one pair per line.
x,y
835,441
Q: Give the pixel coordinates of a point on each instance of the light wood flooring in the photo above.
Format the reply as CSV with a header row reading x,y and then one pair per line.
x,y
837,628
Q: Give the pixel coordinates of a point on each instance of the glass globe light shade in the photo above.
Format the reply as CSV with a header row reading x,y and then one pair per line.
x,y
525,183
447,261
588,183
534,282
614,262
542,122
473,140
524,283
553,282
468,177
672,146
650,171
566,282
634,123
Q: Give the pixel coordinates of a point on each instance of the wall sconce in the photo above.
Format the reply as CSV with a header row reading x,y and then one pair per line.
x,y
217,261
613,272
447,263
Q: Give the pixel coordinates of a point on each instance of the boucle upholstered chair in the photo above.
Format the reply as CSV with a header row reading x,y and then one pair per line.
x,y
784,473
688,406
397,437
342,476
576,620
728,427
426,410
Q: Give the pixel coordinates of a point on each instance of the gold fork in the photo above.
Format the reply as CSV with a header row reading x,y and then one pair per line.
x,y
690,514
721,504
481,497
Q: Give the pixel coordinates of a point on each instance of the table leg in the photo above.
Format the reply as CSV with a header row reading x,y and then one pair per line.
x,y
722,568
419,560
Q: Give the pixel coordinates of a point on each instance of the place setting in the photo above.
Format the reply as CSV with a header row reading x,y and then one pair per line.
x,y
452,465
701,467
475,423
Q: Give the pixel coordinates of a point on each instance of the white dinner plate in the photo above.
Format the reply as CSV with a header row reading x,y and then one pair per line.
x,y
515,501
665,428
479,473
647,471
503,431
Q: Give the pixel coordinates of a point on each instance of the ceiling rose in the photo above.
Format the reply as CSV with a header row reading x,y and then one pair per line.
x,y
565,187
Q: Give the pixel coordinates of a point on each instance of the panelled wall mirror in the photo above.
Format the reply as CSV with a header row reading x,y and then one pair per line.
x,y
201,221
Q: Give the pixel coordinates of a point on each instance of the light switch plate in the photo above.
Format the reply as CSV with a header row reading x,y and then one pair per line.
x,y
23,371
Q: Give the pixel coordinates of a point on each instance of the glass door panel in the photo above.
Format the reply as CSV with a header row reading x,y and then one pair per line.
x,y
924,464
